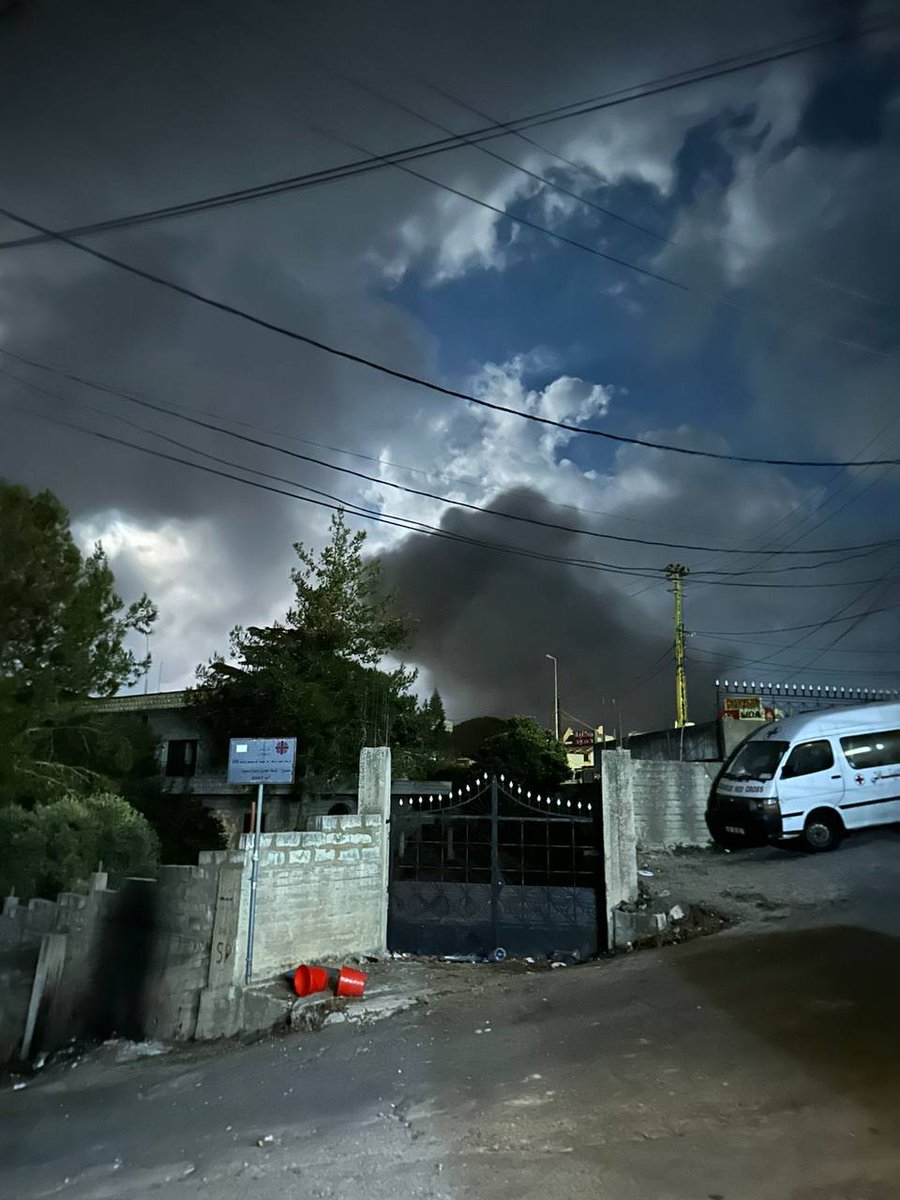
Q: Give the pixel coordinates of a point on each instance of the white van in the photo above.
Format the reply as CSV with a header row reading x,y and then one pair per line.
x,y
812,778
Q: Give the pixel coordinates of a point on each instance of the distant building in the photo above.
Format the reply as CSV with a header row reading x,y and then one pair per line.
x,y
188,765
581,745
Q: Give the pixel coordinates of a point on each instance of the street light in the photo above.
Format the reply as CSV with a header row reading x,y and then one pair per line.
x,y
555,695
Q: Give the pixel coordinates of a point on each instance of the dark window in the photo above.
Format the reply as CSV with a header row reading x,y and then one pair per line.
x,y
872,749
181,757
807,759
756,760
339,810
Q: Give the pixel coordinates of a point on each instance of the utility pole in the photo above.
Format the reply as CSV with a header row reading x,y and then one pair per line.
x,y
676,575
555,695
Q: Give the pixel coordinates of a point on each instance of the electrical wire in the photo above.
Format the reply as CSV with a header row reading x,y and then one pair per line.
x,y
787,628
654,87
336,503
560,189
408,377
143,402
598,178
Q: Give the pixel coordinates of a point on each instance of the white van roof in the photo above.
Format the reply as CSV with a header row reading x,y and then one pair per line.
x,y
831,722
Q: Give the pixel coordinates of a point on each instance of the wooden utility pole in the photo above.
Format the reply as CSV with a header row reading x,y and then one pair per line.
x,y
676,574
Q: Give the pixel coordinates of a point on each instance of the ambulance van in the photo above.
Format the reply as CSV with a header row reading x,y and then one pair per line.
x,y
810,779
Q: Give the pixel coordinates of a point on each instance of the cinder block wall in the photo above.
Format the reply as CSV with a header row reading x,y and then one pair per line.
x,y
670,802
185,908
320,894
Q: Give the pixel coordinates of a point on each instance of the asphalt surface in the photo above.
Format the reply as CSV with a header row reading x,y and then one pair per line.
x,y
758,1063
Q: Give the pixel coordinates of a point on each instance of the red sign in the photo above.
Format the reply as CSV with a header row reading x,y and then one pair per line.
x,y
583,739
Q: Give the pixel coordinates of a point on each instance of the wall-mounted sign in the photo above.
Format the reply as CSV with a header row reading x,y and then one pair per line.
x,y
261,760
746,708
581,739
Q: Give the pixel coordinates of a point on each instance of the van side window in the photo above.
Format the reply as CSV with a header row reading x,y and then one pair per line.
x,y
807,758
872,749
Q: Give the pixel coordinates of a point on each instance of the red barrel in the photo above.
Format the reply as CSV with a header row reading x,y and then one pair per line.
x,y
310,979
350,982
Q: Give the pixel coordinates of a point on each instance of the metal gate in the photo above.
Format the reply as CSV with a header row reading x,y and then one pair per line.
x,y
493,866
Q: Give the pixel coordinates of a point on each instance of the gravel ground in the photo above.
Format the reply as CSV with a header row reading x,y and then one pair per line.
x,y
768,884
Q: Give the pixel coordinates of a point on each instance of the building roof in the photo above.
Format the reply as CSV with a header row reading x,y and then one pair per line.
x,y
141,703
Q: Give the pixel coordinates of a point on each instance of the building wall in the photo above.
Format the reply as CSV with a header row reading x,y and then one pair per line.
x,y
670,802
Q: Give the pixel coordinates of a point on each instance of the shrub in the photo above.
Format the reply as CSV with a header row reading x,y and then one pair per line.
x,y
55,847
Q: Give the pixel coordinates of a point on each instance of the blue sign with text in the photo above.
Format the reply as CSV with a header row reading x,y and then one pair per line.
x,y
261,760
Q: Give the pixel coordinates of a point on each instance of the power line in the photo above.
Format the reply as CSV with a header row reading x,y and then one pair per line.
x,y
336,503
779,646
596,176
408,377
143,402
788,628
654,87
564,191
524,222
761,662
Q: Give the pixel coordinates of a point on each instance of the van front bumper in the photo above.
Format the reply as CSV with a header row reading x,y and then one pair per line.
x,y
742,820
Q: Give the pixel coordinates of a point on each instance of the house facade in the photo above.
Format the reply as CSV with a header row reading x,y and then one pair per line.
x,y
188,765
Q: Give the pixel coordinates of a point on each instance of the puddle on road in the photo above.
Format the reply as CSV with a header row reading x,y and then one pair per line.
x,y
828,997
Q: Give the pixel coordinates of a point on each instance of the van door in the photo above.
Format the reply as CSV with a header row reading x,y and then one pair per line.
x,y
873,788
809,778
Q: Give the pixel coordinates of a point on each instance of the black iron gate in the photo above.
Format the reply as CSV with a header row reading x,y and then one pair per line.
x,y
492,866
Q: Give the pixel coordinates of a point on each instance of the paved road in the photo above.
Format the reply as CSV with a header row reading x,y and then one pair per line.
x,y
760,1063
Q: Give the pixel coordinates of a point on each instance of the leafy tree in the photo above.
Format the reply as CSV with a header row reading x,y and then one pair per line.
x,y
55,847
420,735
315,677
62,638
526,753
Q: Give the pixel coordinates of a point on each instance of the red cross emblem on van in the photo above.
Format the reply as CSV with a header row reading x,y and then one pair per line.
x,y
860,779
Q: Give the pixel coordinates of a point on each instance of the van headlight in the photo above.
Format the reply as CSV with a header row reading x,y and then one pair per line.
x,y
770,803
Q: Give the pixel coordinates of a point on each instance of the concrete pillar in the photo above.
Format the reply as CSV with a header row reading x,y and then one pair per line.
x,y
99,880
375,781
375,801
51,960
619,839
10,904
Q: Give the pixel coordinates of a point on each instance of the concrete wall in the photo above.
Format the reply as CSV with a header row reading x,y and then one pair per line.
x,y
135,960
693,743
670,802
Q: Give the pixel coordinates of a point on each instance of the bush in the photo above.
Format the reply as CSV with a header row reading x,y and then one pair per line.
x,y
55,847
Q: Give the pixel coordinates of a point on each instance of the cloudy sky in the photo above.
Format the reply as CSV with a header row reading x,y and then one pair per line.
x,y
711,267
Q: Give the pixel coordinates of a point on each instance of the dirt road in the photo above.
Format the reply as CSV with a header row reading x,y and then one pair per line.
x,y
759,1064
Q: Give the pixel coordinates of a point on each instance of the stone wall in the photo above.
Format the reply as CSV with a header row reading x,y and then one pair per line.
x,y
320,894
670,802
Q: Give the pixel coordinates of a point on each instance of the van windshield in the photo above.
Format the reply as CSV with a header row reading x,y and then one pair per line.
x,y
756,760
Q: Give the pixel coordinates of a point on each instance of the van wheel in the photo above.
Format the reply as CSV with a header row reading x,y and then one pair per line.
x,y
823,831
